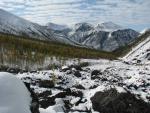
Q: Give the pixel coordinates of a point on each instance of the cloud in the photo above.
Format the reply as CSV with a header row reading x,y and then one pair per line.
x,y
125,12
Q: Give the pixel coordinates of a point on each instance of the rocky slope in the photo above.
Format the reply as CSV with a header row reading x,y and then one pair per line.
x,y
75,88
141,53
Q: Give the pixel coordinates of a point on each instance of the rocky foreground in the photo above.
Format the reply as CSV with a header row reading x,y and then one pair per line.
x,y
91,86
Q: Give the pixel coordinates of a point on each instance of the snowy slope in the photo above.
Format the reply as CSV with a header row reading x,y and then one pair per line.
x,y
108,26
56,26
14,96
140,53
12,24
112,74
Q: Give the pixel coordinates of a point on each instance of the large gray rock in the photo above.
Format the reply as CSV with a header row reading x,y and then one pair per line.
x,y
113,102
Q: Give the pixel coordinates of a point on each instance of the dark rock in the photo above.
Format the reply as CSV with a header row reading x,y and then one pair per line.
x,y
95,73
33,71
13,70
113,102
77,74
46,83
44,94
49,101
67,105
3,68
87,70
139,61
79,86
104,79
93,87
81,100
69,92
93,77
77,67
132,86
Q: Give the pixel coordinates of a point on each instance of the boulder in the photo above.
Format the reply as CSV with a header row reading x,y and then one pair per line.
x,y
46,84
111,101
95,74
77,74
77,67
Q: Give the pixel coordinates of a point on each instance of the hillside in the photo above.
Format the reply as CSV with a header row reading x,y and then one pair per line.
x,y
18,50
140,51
12,24
123,51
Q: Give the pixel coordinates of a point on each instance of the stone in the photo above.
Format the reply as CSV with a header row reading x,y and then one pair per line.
x,y
111,101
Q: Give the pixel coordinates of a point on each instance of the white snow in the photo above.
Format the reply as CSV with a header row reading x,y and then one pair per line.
x,y
108,26
139,52
128,75
14,96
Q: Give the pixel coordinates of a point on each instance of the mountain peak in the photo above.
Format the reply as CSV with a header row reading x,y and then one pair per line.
x,y
108,26
83,26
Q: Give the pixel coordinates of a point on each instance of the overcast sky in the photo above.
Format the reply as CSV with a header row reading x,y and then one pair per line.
x,y
128,13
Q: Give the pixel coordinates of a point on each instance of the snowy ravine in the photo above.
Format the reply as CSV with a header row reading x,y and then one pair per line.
x,y
14,96
69,88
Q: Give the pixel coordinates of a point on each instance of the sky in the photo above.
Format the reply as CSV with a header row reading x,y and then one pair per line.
x,y
133,14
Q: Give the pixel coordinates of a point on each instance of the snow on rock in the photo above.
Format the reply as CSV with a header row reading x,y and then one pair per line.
x,y
14,96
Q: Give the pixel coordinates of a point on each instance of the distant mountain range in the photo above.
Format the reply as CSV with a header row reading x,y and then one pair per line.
x,y
106,36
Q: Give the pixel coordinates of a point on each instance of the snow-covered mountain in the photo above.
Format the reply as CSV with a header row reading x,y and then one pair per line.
x,y
108,26
12,24
80,32
105,36
57,27
140,53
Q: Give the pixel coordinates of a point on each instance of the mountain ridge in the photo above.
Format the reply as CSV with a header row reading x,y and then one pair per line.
x,y
12,24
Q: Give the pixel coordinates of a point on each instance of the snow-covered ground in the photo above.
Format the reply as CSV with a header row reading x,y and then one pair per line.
x,y
111,74
69,88
14,96
140,54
